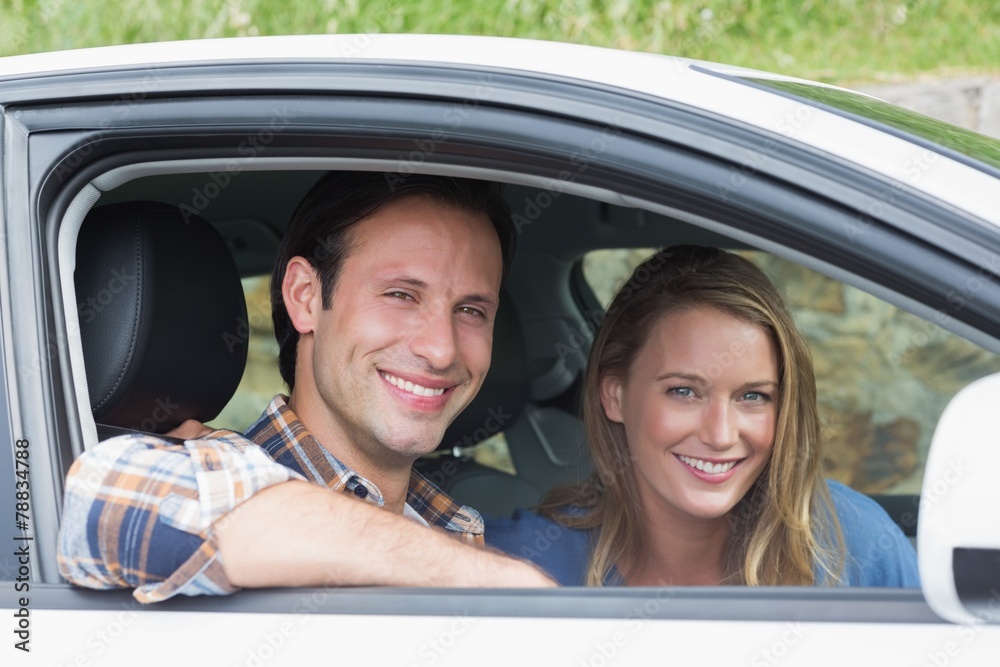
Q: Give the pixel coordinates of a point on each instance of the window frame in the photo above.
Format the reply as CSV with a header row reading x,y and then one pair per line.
x,y
667,159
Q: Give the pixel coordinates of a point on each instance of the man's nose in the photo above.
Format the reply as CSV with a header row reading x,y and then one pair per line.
x,y
719,426
436,340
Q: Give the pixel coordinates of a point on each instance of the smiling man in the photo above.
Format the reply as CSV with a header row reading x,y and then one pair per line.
x,y
389,289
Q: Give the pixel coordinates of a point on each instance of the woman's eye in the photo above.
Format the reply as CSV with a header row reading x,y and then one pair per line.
x,y
756,397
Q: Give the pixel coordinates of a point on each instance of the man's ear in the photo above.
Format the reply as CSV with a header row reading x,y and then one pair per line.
x,y
611,398
302,292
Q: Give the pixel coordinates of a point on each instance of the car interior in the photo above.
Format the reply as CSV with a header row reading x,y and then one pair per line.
x,y
163,262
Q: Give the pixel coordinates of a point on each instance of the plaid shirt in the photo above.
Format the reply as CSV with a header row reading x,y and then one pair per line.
x,y
138,513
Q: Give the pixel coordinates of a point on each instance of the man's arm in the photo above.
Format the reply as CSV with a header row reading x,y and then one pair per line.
x,y
138,510
142,514
300,534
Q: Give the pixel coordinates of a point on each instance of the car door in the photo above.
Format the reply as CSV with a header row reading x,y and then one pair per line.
x,y
72,137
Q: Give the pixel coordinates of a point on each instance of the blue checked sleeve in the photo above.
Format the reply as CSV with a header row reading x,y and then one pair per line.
x,y
138,512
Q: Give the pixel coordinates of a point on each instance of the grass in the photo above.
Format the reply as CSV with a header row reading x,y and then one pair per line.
x,y
833,40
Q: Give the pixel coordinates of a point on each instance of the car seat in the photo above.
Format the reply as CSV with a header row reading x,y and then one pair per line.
x,y
163,319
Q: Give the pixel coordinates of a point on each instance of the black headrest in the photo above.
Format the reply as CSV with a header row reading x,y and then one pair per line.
x,y
505,390
163,318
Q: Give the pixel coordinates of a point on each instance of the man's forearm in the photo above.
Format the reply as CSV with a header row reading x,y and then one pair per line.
x,y
299,534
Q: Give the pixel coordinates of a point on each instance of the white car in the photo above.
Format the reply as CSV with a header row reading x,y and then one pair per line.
x,y
890,219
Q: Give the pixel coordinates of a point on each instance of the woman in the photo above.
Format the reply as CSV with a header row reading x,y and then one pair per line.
x,y
700,411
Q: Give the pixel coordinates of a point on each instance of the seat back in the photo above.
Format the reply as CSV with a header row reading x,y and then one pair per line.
x,y
163,317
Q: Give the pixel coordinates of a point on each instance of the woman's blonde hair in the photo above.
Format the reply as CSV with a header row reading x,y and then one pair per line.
x,y
784,530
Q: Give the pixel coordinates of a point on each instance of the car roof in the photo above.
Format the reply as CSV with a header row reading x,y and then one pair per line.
x,y
717,90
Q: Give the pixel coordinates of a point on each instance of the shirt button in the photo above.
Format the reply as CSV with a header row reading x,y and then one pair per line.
x,y
360,491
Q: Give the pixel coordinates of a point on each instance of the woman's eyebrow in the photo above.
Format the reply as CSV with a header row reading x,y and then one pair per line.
x,y
691,377
762,383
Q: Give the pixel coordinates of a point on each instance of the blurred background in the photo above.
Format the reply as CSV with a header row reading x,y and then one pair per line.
x,y
838,41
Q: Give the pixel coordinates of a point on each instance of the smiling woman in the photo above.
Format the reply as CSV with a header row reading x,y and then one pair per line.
x,y
700,410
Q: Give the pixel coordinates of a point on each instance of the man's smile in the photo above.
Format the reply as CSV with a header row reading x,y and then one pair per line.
x,y
414,388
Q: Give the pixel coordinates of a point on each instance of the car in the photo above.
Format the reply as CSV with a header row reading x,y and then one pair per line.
x,y
881,225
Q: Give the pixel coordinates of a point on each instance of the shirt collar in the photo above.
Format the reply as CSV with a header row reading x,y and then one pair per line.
x,y
286,440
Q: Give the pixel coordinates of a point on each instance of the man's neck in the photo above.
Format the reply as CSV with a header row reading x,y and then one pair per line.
x,y
391,477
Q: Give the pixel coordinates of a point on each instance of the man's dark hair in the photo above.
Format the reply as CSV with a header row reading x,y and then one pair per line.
x,y
319,231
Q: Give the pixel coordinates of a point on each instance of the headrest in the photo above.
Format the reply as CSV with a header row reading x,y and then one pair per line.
x,y
163,318
504,392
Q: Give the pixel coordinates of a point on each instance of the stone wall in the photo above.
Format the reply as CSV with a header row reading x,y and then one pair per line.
x,y
969,102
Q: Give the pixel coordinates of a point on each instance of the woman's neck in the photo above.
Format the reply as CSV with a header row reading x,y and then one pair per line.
x,y
680,552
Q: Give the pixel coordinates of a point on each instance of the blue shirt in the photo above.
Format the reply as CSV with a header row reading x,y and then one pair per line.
x,y
878,554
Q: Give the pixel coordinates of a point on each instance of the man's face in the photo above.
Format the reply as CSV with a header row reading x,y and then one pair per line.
x,y
406,342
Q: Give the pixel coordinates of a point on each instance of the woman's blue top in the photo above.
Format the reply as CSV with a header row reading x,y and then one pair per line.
x,y
878,554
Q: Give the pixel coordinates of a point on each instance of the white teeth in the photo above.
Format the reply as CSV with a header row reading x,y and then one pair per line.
x,y
408,386
706,466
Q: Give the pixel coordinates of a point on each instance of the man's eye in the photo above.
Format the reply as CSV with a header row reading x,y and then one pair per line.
x,y
399,295
472,311
681,391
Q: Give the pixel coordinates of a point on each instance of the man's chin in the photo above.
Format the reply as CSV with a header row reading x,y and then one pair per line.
x,y
411,447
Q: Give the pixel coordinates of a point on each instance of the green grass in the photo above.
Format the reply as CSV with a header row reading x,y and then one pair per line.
x,y
831,40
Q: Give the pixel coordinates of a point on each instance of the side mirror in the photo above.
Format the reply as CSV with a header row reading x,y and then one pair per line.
x,y
958,530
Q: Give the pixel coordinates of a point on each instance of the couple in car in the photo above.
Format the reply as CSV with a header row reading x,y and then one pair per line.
x,y
699,407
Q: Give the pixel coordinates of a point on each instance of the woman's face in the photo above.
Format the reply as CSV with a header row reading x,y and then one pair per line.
x,y
699,409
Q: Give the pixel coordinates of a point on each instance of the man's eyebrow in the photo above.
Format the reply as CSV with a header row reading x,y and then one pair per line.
x,y
406,280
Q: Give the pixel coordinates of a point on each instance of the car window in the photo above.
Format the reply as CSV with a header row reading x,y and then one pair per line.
x,y
883,375
261,380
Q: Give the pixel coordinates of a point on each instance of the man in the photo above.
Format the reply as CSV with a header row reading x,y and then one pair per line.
x,y
389,289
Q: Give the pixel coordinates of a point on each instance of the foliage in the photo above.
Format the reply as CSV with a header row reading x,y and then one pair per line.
x,y
835,40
